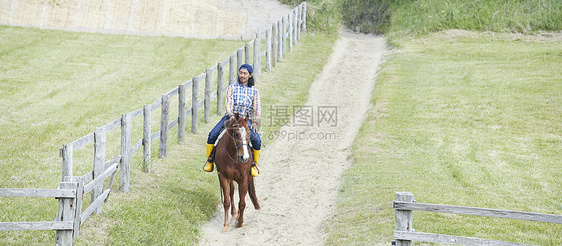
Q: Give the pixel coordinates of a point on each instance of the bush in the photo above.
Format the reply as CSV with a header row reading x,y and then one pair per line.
x,y
368,16
424,16
321,15
324,16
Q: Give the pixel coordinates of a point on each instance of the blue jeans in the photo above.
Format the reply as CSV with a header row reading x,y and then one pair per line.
x,y
214,134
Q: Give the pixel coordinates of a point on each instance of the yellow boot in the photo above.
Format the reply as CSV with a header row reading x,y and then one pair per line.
x,y
254,171
209,165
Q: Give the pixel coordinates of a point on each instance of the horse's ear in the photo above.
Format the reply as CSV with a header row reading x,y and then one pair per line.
x,y
237,116
247,117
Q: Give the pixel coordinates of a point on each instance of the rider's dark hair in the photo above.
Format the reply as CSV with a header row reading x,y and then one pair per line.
x,y
250,81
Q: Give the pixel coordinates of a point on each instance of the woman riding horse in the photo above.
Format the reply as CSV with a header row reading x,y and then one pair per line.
x,y
242,98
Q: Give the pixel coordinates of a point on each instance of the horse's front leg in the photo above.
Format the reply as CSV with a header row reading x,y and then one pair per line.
x,y
226,203
232,207
242,190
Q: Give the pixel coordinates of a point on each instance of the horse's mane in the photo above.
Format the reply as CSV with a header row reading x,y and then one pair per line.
x,y
239,120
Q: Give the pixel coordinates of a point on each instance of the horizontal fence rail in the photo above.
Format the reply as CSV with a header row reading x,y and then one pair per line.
x,y
507,214
404,233
66,224
215,80
440,238
56,193
33,226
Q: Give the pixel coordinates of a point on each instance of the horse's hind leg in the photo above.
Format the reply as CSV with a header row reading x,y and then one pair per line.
x,y
242,191
232,207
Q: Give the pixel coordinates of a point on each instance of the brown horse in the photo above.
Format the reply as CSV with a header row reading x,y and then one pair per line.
x,y
233,161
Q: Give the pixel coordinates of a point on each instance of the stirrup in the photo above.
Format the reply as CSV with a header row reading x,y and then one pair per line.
x,y
257,170
212,166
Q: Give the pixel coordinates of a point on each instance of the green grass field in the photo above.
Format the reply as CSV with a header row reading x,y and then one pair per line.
x,y
460,118
57,86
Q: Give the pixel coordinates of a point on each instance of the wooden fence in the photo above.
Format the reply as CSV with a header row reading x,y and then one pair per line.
x,y
65,228
279,38
404,234
70,194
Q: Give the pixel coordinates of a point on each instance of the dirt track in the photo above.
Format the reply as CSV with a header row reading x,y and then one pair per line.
x,y
298,191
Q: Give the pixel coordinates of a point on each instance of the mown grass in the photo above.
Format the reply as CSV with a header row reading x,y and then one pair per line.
x,y
58,86
420,17
460,118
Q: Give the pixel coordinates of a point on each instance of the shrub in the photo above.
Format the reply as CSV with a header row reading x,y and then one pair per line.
x,y
423,16
321,16
368,16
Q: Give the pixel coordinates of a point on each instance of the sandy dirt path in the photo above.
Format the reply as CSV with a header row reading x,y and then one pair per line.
x,y
300,171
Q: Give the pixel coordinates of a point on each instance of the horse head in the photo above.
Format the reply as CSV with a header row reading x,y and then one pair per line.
x,y
240,133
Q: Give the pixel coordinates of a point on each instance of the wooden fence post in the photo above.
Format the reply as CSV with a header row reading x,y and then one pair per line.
x,y
146,138
77,208
280,40
207,103
239,61
181,113
247,53
274,45
99,163
164,126
403,218
290,30
299,21
257,55
304,17
295,25
125,164
268,49
284,35
220,99
65,237
67,152
231,69
194,102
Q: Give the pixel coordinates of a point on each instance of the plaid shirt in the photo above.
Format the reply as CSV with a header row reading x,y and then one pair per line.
x,y
243,99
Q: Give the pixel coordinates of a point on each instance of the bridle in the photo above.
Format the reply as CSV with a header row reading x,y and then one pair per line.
x,y
236,145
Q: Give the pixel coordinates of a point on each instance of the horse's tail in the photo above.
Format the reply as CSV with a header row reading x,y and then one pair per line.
x,y
252,191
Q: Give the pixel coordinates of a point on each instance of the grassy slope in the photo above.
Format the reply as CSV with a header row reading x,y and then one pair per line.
x,y
58,86
471,121
426,16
